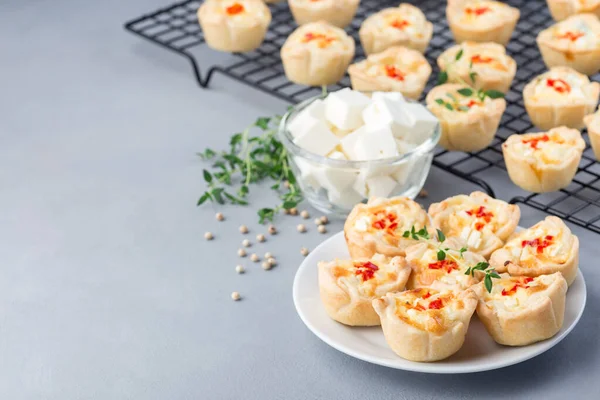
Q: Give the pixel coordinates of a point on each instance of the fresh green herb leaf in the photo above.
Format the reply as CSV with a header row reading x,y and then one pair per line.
x,y
442,77
207,176
494,275
462,250
449,106
463,108
472,76
207,154
465,92
459,54
406,234
468,271
494,94
203,198
488,283
441,255
441,236
263,123
439,101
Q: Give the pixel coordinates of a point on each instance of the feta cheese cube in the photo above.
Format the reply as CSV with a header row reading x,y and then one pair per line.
x,y
404,146
423,122
360,184
474,240
348,142
380,186
402,172
344,108
337,155
376,145
317,138
307,173
383,112
344,199
314,112
392,96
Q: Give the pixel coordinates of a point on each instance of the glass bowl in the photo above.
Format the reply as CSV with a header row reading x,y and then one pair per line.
x,y
335,186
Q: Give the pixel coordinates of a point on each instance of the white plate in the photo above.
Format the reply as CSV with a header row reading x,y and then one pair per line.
x,y
479,353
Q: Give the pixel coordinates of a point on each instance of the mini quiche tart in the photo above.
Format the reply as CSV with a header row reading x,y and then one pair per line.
x,y
447,274
561,9
337,12
483,222
545,248
592,122
561,96
379,225
574,42
522,310
234,25
481,20
317,54
348,287
397,69
425,324
493,68
543,161
404,25
468,121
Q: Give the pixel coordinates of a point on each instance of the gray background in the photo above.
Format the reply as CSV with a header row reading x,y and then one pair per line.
x,y
107,288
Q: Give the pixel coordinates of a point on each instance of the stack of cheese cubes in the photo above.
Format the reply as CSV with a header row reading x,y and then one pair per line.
x,y
349,125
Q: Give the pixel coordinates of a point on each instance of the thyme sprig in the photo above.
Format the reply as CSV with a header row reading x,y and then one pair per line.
x,y
453,104
250,160
445,252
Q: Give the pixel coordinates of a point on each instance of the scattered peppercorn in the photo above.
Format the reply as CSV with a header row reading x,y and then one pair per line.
x,y
301,228
322,229
235,296
423,193
318,221
304,214
242,253
304,251
239,269
260,237
272,261
293,211
254,258
324,220
272,229
268,255
246,243
219,216
208,236
266,266
243,229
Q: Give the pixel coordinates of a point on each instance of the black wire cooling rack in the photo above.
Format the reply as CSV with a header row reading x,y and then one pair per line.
x,y
176,28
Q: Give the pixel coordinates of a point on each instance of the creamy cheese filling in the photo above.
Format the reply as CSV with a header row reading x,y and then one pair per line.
x,y
559,88
515,293
546,148
483,13
388,223
366,278
428,309
575,34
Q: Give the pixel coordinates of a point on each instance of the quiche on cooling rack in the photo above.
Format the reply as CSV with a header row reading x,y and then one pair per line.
x,y
481,20
379,225
522,310
446,274
396,69
483,222
561,9
234,25
480,65
560,96
543,161
592,122
404,25
348,287
468,118
574,42
317,54
337,12
545,248
425,324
